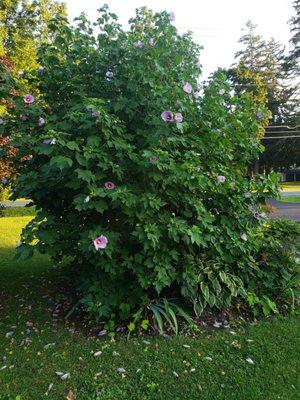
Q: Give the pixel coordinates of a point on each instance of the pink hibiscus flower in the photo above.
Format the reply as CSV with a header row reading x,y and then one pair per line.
x,y
28,99
100,242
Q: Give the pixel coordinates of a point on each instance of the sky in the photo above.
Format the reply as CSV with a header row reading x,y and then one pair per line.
x,y
216,24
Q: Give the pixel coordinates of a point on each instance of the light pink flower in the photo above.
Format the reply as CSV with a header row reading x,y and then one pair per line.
x,y
1,121
23,118
221,179
167,116
109,185
41,121
139,44
178,117
28,99
153,158
171,16
101,242
187,87
151,42
109,74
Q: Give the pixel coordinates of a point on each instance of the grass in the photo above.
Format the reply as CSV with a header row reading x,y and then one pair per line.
x,y
290,186
290,199
17,211
31,290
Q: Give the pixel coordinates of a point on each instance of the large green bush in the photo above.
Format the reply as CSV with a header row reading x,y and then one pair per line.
x,y
119,143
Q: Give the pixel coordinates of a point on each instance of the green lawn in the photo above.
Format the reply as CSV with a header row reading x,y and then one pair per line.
x,y
164,369
290,199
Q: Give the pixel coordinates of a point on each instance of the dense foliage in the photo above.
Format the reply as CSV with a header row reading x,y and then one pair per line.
x,y
138,177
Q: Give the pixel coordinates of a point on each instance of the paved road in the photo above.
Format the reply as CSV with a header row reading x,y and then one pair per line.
x,y
290,194
286,210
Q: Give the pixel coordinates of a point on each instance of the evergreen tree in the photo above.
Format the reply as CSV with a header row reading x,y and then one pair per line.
x,y
266,58
293,59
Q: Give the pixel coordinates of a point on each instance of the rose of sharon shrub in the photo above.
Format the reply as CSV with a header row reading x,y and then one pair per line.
x,y
141,184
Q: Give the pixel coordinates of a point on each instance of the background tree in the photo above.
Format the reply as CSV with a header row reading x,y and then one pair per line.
x,y
24,27
267,61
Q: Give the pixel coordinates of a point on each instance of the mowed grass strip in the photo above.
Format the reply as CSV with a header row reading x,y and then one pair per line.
x,y
290,199
212,365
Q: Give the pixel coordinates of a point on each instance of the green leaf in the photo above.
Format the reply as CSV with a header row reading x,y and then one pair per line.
x,y
93,141
72,145
85,175
61,162
131,326
145,324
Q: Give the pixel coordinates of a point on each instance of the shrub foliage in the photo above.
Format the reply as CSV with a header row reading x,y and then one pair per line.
x,y
139,174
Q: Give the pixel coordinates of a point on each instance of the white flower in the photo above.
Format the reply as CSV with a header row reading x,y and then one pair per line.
x,y
221,179
249,360
208,358
221,91
97,353
175,374
244,237
87,199
21,73
121,370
